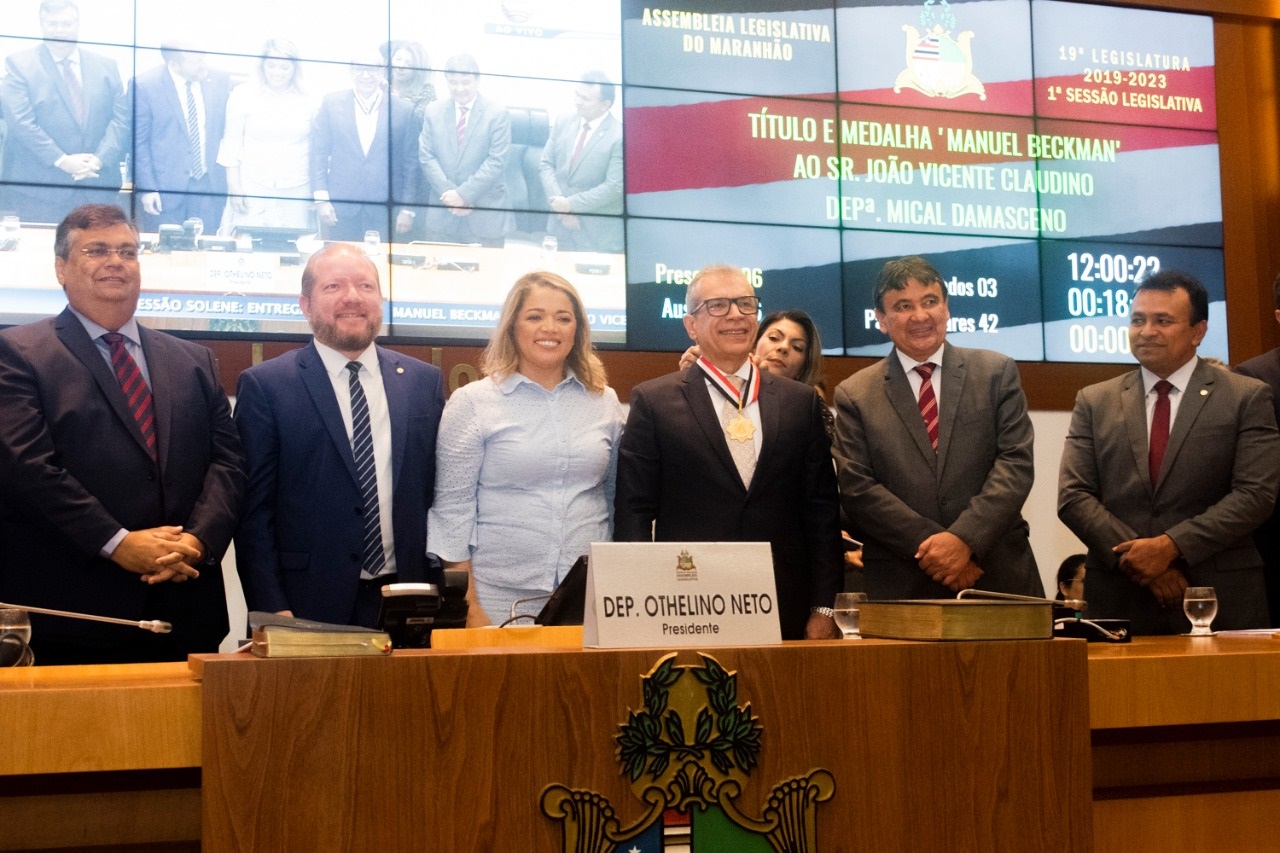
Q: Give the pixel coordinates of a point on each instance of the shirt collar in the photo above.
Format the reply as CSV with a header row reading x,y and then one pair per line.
x,y
515,379
335,363
129,329
909,364
1179,379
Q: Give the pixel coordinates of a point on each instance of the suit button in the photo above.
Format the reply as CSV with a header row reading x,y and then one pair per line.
x,y
355,558
359,510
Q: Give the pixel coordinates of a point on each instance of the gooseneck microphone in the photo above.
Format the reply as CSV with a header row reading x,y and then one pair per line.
x,y
155,626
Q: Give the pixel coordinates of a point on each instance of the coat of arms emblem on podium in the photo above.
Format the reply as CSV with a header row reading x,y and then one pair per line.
x,y
691,748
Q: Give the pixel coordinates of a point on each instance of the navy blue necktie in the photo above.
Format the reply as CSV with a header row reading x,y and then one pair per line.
x,y
366,472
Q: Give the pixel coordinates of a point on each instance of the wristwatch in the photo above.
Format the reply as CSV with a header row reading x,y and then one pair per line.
x,y
825,611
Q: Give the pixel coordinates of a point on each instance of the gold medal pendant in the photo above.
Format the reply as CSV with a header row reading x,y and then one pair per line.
x,y
741,429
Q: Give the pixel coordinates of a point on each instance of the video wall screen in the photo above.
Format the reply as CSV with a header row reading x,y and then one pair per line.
x,y
1029,148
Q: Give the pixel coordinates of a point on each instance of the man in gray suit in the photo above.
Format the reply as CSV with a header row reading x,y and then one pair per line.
x,y
581,171
67,118
463,150
1168,469
934,450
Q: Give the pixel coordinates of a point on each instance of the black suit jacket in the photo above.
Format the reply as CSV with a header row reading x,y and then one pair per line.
x,y
677,479
74,470
299,545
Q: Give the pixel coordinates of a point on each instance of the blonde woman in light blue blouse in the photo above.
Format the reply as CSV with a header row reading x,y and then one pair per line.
x,y
527,456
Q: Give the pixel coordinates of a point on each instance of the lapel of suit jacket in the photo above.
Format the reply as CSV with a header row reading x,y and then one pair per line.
x,y
770,423
1194,397
708,419
397,407
591,142
1134,411
316,380
954,370
346,124
72,334
898,389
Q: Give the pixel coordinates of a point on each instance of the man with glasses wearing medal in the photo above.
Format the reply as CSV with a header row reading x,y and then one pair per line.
x,y
723,452
120,469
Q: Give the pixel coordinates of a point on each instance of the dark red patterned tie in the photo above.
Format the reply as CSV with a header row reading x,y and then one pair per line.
x,y
136,392
928,402
1159,431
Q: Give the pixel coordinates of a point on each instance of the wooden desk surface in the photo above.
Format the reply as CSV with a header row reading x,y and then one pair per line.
x,y
1172,681
67,719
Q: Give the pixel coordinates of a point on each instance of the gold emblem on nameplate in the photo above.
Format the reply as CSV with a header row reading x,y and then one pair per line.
x,y
741,429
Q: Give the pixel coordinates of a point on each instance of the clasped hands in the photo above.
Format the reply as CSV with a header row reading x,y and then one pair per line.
x,y
1149,563
160,554
947,559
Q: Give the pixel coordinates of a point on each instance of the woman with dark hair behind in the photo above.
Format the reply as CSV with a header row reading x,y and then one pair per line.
x,y
410,74
527,455
1071,578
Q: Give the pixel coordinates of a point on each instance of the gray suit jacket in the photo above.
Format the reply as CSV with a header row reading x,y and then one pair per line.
x,y
475,169
592,183
1218,482
897,492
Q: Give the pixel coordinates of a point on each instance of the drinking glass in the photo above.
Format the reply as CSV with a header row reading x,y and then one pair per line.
x,y
1200,603
846,613
15,622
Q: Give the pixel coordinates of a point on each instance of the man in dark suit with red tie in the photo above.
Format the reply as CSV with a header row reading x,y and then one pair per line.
x,y
704,460
67,119
120,469
1168,469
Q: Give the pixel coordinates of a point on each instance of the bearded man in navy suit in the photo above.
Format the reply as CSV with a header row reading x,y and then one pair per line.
x,y
314,542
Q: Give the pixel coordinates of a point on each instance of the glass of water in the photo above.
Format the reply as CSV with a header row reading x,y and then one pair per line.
x,y
846,613
15,633
1200,603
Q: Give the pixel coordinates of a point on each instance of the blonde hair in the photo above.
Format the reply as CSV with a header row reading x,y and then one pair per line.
x,y
502,357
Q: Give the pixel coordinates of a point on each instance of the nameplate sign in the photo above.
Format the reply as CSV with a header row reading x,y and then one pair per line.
x,y
676,594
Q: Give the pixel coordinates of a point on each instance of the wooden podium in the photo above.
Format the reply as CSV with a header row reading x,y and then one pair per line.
x,y
872,745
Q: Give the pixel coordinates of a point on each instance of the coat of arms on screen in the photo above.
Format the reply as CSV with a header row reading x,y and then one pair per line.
x,y
690,749
937,64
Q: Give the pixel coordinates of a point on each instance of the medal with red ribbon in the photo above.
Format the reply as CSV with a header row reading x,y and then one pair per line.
x,y
740,428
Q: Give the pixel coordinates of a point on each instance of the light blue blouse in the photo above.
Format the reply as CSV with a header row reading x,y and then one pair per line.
x,y
524,479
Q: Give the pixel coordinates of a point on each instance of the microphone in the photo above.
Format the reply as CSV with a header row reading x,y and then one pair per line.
x,y
1076,604
155,626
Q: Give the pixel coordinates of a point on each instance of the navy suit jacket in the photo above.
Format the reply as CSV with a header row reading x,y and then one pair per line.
x,y
42,127
161,149
74,470
300,540
675,470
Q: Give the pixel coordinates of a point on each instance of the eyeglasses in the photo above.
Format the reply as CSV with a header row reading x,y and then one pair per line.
x,y
720,306
367,70
99,252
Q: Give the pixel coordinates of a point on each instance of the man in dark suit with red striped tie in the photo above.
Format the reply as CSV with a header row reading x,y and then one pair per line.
x,y
121,473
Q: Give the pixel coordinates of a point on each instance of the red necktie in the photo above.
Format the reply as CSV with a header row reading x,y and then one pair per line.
x,y
136,392
582,140
928,402
74,90
462,123
1159,431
